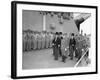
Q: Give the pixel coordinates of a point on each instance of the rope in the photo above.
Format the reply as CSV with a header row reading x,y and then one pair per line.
x,y
81,58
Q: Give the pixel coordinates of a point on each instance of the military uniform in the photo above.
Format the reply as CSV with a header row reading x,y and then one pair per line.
x,y
24,41
32,41
64,49
67,43
78,52
38,41
79,47
43,41
27,41
47,41
51,38
35,41
86,44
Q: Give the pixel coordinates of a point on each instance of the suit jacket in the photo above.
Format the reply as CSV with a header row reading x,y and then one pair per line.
x,y
72,42
56,41
59,41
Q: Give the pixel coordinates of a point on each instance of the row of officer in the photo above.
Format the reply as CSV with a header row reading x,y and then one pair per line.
x,y
36,40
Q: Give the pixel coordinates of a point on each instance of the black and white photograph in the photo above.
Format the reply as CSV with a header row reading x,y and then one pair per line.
x,y
53,39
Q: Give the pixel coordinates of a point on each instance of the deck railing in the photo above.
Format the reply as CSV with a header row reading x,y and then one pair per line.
x,y
84,53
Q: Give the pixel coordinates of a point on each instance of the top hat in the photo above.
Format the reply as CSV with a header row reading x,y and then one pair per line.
x,y
56,33
72,34
60,32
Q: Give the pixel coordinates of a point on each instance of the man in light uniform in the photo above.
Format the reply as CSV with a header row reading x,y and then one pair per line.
x,y
43,40
51,38
32,40
27,37
24,34
64,47
35,40
39,40
47,40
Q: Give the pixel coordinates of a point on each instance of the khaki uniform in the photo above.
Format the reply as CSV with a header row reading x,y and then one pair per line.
x,y
65,47
79,47
47,40
38,41
43,41
88,41
32,41
24,41
35,41
27,42
51,38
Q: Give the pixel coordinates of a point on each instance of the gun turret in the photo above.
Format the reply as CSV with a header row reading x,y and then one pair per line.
x,y
81,18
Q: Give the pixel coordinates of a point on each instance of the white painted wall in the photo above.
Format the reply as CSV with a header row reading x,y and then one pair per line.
x,y
86,26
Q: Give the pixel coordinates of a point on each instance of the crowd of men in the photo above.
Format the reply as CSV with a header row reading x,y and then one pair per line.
x,y
35,40
64,45
73,45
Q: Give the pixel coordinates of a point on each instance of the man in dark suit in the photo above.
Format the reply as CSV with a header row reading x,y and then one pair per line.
x,y
59,43
72,44
55,44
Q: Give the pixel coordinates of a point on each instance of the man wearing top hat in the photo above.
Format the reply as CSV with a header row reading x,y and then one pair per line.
x,y
55,46
72,44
